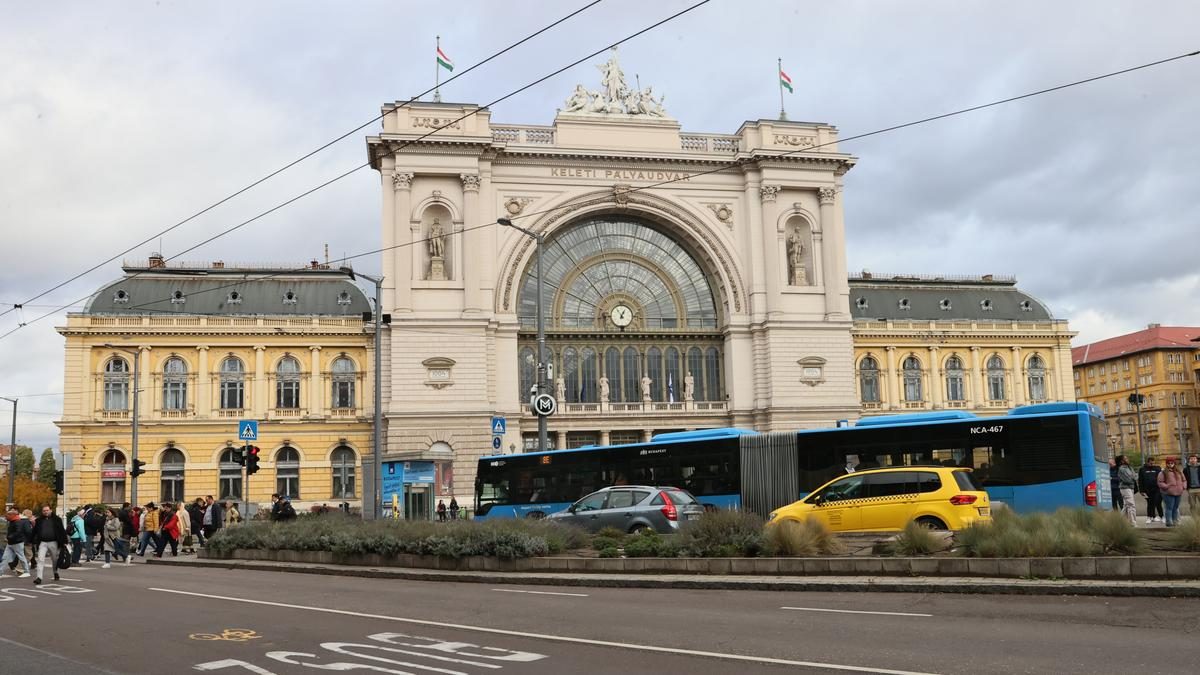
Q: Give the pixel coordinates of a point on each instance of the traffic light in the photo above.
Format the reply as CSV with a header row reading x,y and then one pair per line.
x,y
238,456
137,468
252,461
59,480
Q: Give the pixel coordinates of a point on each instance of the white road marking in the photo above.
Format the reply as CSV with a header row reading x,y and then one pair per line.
x,y
513,590
852,611
555,638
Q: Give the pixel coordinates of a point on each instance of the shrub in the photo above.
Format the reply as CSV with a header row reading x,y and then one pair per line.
x,y
1186,535
610,533
1115,534
803,538
1066,532
916,539
601,543
723,533
644,544
610,552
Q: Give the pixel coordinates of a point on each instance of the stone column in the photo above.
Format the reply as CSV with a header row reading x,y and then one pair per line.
x,y
935,378
754,201
893,379
1018,378
773,242
833,260
980,380
146,402
605,438
259,407
204,388
560,440
403,256
647,434
472,244
315,389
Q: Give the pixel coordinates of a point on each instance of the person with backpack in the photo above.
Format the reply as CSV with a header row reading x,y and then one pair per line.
x,y
20,531
1128,480
287,512
169,532
77,533
149,533
93,526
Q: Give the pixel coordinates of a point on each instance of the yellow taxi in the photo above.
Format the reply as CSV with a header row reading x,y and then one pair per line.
x,y
875,500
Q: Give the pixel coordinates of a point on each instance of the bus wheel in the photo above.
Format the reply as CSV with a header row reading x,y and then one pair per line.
x,y
535,515
931,523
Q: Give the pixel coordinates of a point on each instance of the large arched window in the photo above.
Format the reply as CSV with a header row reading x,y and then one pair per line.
x,y
287,383
712,374
343,461
528,367
570,374
588,367
654,370
233,384
955,379
1037,378
230,485
674,376
287,472
868,378
171,470
612,371
112,477
912,379
695,368
174,384
116,384
631,376
344,376
995,378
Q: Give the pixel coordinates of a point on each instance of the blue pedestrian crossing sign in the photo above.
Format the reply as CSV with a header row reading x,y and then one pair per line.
x,y
248,430
499,425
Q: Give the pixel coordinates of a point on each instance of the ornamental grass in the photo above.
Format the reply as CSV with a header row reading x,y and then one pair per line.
x,y
1064,533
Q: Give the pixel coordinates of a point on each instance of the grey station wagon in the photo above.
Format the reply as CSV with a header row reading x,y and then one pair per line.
x,y
631,508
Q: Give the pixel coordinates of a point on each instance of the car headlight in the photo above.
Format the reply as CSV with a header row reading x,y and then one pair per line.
x,y
771,517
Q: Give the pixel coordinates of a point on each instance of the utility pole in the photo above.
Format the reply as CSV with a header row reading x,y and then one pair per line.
x,y
12,451
377,437
543,432
1137,399
1179,429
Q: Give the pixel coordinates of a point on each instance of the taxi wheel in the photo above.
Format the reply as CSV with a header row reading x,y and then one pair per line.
x,y
931,523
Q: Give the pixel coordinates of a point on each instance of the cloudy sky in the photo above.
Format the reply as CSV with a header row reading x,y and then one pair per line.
x,y
118,120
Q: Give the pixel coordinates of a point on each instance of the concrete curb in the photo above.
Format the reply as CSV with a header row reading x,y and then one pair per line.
x,y
876,584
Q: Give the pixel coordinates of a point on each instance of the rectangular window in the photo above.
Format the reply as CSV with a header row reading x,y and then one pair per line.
x,y
232,394
288,483
287,394
112,490
343,394
954,388
231,485
174,396
116,394
172,486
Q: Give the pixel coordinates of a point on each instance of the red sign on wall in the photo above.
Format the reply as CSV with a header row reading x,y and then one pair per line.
x,y
112,474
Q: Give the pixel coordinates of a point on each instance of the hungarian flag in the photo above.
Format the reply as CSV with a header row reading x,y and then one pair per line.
x,y
784,81
445,62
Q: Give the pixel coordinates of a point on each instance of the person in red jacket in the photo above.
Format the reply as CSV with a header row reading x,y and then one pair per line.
x,y
169,532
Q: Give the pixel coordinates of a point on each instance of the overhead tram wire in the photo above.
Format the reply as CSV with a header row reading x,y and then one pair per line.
x,y
728,165
400,147
307,155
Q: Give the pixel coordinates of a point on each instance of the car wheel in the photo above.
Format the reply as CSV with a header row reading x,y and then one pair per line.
x,y
535,515
638,529
931,523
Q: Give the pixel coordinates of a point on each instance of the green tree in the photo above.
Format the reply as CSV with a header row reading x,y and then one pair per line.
x,y
47,468
23,461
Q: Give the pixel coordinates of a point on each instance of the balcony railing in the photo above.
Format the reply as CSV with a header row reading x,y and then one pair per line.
x,y
524,135
647,407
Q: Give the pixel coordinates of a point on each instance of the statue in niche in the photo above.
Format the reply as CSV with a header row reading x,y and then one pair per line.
x,y
437,240
560,389
689,387
646,388
603,389
797,275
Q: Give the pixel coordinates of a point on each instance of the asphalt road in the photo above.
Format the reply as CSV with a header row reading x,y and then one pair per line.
x,y
159,619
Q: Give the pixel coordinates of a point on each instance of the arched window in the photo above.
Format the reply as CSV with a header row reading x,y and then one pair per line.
x,y
174,384
230,485
632,375
287,472
343,462
344,376
612,370
112,477
912,379
654,370
712,374
287,383
674,376
956,379
528,374
233,384
868,377
570,374
1037,378
171,466
695,368
589,366
116,384
995,378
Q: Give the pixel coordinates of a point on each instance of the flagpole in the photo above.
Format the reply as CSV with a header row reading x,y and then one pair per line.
x,y
779,76
437,73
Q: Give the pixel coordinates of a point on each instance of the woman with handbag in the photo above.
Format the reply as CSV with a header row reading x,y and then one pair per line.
x,y
185,528
109,536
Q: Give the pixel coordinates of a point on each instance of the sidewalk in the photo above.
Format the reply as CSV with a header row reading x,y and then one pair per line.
x,y
1190,588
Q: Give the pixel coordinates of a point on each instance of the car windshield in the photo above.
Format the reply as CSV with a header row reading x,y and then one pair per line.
x,y
967,481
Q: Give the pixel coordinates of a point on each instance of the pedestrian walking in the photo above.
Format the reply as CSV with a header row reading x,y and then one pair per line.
x,y
196,519
1148,482
1128,482
232,516
453,509
287,512
441,510
20,532
128,531
1118,503
77,533
149,529
168,532
93,521
49,537
185,528
1191,473
1172,485
109,536
214,517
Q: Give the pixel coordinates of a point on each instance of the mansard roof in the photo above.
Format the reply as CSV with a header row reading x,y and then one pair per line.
x,y
942,298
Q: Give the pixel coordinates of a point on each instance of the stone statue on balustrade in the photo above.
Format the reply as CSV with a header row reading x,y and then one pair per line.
x,y
797,274
560,389
603,389
689,387
646,388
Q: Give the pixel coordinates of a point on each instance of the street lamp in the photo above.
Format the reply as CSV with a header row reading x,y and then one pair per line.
x,y
12,451
137,394
543,434
377,446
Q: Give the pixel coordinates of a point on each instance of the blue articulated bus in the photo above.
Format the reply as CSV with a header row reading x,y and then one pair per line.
x,y
1035,458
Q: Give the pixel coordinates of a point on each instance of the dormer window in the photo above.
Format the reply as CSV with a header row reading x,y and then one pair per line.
x,y
985,305
861,303
121,297
1026,306
904,304
944,305
289,298
177,298
344,298
234,298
